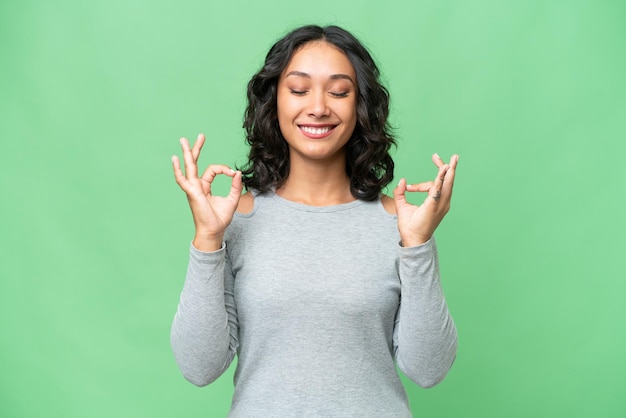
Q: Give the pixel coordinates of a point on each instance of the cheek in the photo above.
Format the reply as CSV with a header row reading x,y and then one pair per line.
x,y
353,113
284,107
284,119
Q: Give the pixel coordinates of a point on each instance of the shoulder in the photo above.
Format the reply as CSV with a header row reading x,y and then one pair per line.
x,y
246,203
244,211
389,204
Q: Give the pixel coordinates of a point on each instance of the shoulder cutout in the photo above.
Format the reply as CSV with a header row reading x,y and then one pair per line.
x,y
389,204
246,203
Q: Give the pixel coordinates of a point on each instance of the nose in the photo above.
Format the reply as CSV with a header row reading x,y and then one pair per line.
x,y
318,106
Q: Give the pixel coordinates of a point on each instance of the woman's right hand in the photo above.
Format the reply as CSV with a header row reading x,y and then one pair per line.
x,y
211,214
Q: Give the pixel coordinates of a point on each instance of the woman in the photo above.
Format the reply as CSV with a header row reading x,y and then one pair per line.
x,y
302,276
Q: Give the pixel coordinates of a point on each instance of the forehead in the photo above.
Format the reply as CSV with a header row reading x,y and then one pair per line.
x,y
319,58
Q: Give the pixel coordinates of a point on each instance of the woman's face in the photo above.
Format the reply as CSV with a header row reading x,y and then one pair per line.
x,y
316,97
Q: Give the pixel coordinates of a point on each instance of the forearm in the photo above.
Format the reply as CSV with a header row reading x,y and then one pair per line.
x,y
200,335
426,334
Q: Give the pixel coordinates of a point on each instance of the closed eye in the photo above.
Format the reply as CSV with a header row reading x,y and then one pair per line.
x,y
342,94
298,92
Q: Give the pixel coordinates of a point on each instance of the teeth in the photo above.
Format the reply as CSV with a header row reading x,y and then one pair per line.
x,y
315,131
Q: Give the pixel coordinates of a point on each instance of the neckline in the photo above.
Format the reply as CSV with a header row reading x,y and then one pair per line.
x,y
319,209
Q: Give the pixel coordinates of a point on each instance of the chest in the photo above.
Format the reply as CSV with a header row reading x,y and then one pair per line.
x,y
301,270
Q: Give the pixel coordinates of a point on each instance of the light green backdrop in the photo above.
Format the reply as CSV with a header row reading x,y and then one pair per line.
x,y
94,232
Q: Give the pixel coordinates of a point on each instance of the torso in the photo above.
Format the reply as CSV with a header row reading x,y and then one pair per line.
x,y
316,291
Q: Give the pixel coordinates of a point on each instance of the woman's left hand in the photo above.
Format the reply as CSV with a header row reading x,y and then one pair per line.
x,y
418,223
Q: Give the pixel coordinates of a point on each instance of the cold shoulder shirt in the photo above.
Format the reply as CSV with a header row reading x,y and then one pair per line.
x,y
319,304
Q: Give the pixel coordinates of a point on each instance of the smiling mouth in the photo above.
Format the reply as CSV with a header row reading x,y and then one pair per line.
x,y
317,131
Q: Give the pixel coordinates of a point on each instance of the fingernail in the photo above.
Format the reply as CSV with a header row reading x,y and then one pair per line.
x,y
437,155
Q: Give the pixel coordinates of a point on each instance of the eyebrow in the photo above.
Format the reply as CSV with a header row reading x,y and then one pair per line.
x,y
332,77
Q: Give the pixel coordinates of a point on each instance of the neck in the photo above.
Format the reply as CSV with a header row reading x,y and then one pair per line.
x,y
317,184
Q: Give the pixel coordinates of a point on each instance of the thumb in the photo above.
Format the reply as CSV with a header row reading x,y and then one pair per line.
x,y
398,193
236,186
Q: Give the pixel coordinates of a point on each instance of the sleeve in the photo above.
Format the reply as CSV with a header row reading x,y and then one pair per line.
x,y
425,337
204,334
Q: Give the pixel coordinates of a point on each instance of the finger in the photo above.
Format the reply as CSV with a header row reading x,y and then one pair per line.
x,y
437,160
420,187
398,193
212,171
215,169
191,169
197,147
435,191
178,174
448,182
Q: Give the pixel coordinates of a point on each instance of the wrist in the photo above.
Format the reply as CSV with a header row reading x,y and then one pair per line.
x,y
413,241
208,243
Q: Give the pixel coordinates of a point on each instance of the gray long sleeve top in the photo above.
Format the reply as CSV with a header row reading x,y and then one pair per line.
x,y
317,303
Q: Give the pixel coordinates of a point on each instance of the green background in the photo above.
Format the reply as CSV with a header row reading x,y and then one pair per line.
x,y
94,232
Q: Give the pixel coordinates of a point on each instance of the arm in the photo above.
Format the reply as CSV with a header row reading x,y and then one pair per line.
x,y
204,331
205,328
425,338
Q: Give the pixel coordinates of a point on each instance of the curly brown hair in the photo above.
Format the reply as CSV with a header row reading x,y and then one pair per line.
x,y
368,163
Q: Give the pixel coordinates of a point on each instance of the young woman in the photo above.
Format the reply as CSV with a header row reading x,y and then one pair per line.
x,y
314,279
